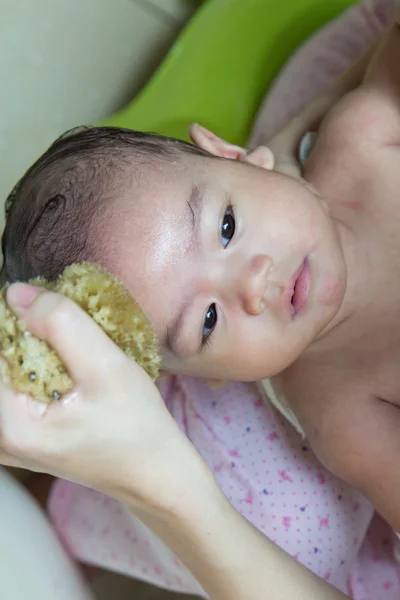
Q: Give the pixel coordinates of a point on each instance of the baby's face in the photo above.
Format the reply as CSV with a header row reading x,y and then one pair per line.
x,y
239,269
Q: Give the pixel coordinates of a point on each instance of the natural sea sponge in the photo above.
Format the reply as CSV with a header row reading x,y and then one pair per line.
x,y
34,368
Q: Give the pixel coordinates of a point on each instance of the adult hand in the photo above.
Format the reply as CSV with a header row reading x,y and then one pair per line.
x,y
112,432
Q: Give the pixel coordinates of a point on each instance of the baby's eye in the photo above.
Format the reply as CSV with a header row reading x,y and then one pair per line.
x,y
228,226
210,321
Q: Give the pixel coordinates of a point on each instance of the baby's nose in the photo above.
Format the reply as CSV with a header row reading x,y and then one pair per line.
x,y
253,284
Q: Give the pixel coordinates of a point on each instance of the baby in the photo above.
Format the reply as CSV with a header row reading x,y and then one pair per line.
x,y
247,268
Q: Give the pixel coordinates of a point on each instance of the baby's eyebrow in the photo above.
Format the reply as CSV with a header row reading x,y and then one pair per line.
x,y
195,204
173,332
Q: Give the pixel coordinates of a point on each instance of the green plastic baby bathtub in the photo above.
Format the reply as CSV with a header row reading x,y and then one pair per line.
x,y
222,64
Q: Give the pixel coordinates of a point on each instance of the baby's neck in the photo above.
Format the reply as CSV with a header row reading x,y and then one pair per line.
x,y
356,250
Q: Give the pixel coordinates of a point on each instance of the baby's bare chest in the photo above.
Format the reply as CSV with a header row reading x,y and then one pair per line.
x,y
371,189
328,397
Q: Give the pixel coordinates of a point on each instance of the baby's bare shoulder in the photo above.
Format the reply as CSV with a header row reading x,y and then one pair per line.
x,y
363,116
353,135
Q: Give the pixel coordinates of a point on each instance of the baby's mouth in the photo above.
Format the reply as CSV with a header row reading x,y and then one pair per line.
x,y
298,289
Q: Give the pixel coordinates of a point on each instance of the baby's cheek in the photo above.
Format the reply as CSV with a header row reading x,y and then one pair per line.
x,y
332,290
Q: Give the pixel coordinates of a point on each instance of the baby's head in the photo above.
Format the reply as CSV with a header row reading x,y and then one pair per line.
x,y
238,267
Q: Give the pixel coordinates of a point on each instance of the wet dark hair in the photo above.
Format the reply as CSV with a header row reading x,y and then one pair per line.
x,y
53,212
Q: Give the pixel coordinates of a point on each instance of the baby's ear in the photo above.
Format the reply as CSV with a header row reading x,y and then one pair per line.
x,y
205,139
261,157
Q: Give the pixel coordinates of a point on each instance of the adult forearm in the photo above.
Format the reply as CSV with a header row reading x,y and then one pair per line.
x,y
230,558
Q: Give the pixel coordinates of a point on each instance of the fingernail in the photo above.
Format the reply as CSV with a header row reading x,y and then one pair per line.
x,y
21,295
37,409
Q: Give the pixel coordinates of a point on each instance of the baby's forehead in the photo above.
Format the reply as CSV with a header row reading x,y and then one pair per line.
x,y
164,189
152,223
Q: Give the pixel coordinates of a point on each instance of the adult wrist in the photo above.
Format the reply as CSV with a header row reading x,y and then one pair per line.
x,y
186,483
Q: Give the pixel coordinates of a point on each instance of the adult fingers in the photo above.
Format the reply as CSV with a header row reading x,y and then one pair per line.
x,y
86,350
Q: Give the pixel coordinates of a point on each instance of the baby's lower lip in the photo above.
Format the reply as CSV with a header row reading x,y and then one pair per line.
x,y
298,291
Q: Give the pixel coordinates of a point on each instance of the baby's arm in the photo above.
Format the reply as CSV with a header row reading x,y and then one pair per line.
x,y
359,441
285,144
375,452
382,84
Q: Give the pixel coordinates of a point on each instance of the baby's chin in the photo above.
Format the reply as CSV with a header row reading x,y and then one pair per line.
x,y
313,190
